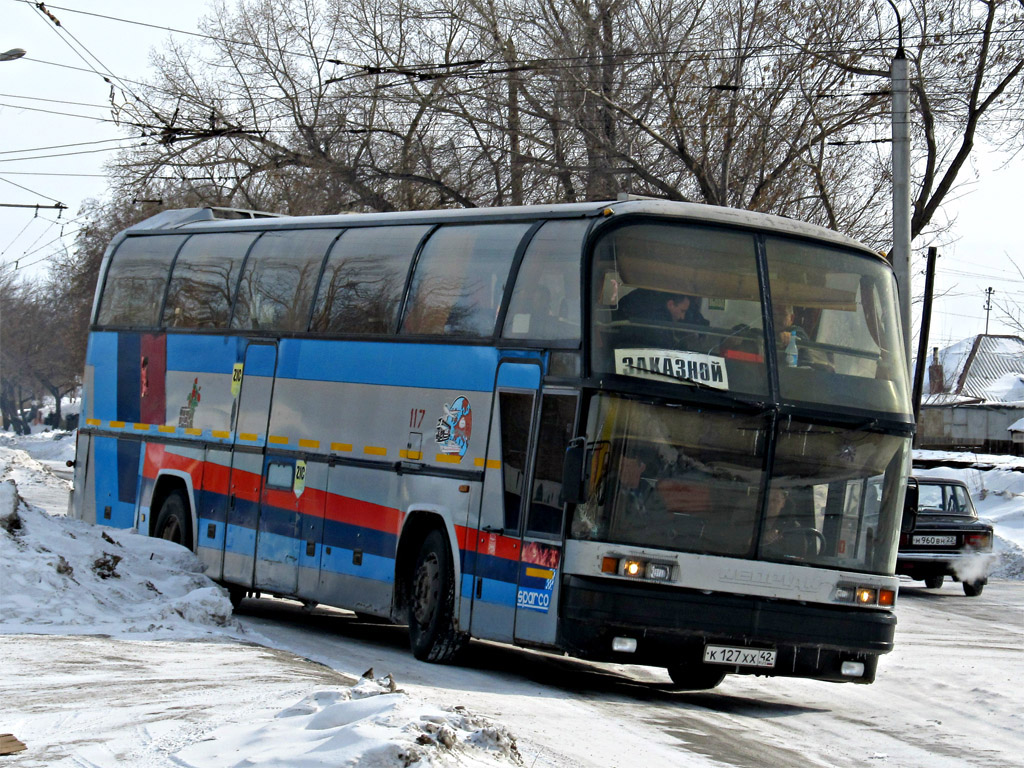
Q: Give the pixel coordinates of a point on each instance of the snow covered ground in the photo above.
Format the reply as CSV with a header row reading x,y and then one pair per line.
x,y
115,650
119,652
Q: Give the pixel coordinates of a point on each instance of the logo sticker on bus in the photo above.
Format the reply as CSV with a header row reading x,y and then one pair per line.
x,y
537,577
236,379
299,484
668,364
455,428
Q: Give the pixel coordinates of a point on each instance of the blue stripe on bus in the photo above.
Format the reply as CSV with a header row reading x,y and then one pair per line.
x,y
431,366
498,592
276,548
373,567
203,354
525,376
129,470
102,355
490,566
240,540
129,376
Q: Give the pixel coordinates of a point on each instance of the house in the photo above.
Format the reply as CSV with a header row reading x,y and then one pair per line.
x,y
973,396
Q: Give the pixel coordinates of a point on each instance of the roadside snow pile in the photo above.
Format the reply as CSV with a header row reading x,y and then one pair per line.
x,y
369,724
59,575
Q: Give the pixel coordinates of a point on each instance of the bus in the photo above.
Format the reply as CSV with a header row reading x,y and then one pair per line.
x,y
635,431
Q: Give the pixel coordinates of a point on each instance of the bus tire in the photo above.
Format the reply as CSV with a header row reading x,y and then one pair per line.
x,y
695,677
174,521
934,582
432,632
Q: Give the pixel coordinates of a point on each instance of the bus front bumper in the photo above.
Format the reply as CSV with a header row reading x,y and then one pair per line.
x,y
672,626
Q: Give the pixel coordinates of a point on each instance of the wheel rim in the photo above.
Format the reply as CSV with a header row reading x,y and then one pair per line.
x,y
426,589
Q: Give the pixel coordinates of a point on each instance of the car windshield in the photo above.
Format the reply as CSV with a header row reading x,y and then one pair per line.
x,y
944,499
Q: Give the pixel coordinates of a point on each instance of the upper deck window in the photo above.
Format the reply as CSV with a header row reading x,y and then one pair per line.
x,y
361,290
204,280
545,303
837,331
679,303
136,281
460,280
276,290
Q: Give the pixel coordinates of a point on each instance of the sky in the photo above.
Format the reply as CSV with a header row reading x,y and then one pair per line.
x,y
980,250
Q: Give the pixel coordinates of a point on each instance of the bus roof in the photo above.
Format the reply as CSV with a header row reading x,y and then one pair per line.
x,y
225,219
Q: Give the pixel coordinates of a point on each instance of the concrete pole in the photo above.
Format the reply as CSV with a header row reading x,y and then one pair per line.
x,y
901,189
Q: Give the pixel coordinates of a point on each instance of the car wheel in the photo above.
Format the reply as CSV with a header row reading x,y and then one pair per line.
x,y
974,588
432,632
173,521
695,677
934,582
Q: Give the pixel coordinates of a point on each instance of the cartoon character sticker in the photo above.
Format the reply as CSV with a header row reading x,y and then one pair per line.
x,y
187,413
455,427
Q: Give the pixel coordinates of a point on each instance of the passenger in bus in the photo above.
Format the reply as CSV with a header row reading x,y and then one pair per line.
x,y
662,319
789,327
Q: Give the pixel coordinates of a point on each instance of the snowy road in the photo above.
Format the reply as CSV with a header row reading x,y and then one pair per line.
x,y
949,695
120,678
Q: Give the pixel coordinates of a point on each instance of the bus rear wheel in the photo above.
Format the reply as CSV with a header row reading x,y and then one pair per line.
x,y
695,677
432,632
173,521
934,582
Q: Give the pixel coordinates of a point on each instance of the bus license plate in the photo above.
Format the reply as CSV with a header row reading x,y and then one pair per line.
x,y
934,541
743,657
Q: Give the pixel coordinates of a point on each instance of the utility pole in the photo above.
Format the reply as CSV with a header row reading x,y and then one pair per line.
x,y
988,306
901,181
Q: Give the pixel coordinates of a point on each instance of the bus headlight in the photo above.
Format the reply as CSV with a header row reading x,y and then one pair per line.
x,y
636,569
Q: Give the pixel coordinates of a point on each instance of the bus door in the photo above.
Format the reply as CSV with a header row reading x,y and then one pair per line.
x,y
544,522
494,578
278,530
252,386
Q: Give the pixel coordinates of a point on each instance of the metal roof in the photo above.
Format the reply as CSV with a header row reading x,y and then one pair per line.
x,y
972,371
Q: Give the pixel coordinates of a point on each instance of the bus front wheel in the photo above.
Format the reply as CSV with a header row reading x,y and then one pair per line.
x,y
173,521
432,631
695,677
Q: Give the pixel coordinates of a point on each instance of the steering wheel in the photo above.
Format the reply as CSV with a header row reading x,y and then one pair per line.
x,y
814,540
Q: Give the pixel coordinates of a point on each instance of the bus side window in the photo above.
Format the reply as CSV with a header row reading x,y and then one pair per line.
x,y
545,303
516,417
136,281
557,418
460,279
276,289
204,280
361,289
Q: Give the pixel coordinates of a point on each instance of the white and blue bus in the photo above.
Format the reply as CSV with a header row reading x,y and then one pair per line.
x,y
637,431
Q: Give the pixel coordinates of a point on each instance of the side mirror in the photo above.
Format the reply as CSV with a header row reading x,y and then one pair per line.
x,y
572,472
909,521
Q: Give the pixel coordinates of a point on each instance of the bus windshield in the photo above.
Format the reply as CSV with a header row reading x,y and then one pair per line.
x,y
690,480
683,302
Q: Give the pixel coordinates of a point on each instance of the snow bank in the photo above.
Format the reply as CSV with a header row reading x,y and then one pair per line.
x,y
369,724
61,575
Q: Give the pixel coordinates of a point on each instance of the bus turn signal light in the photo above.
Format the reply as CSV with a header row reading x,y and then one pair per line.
x,y
609,565
887,597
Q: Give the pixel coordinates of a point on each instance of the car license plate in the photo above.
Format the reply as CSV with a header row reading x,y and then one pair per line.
x,y
934,541
743,657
